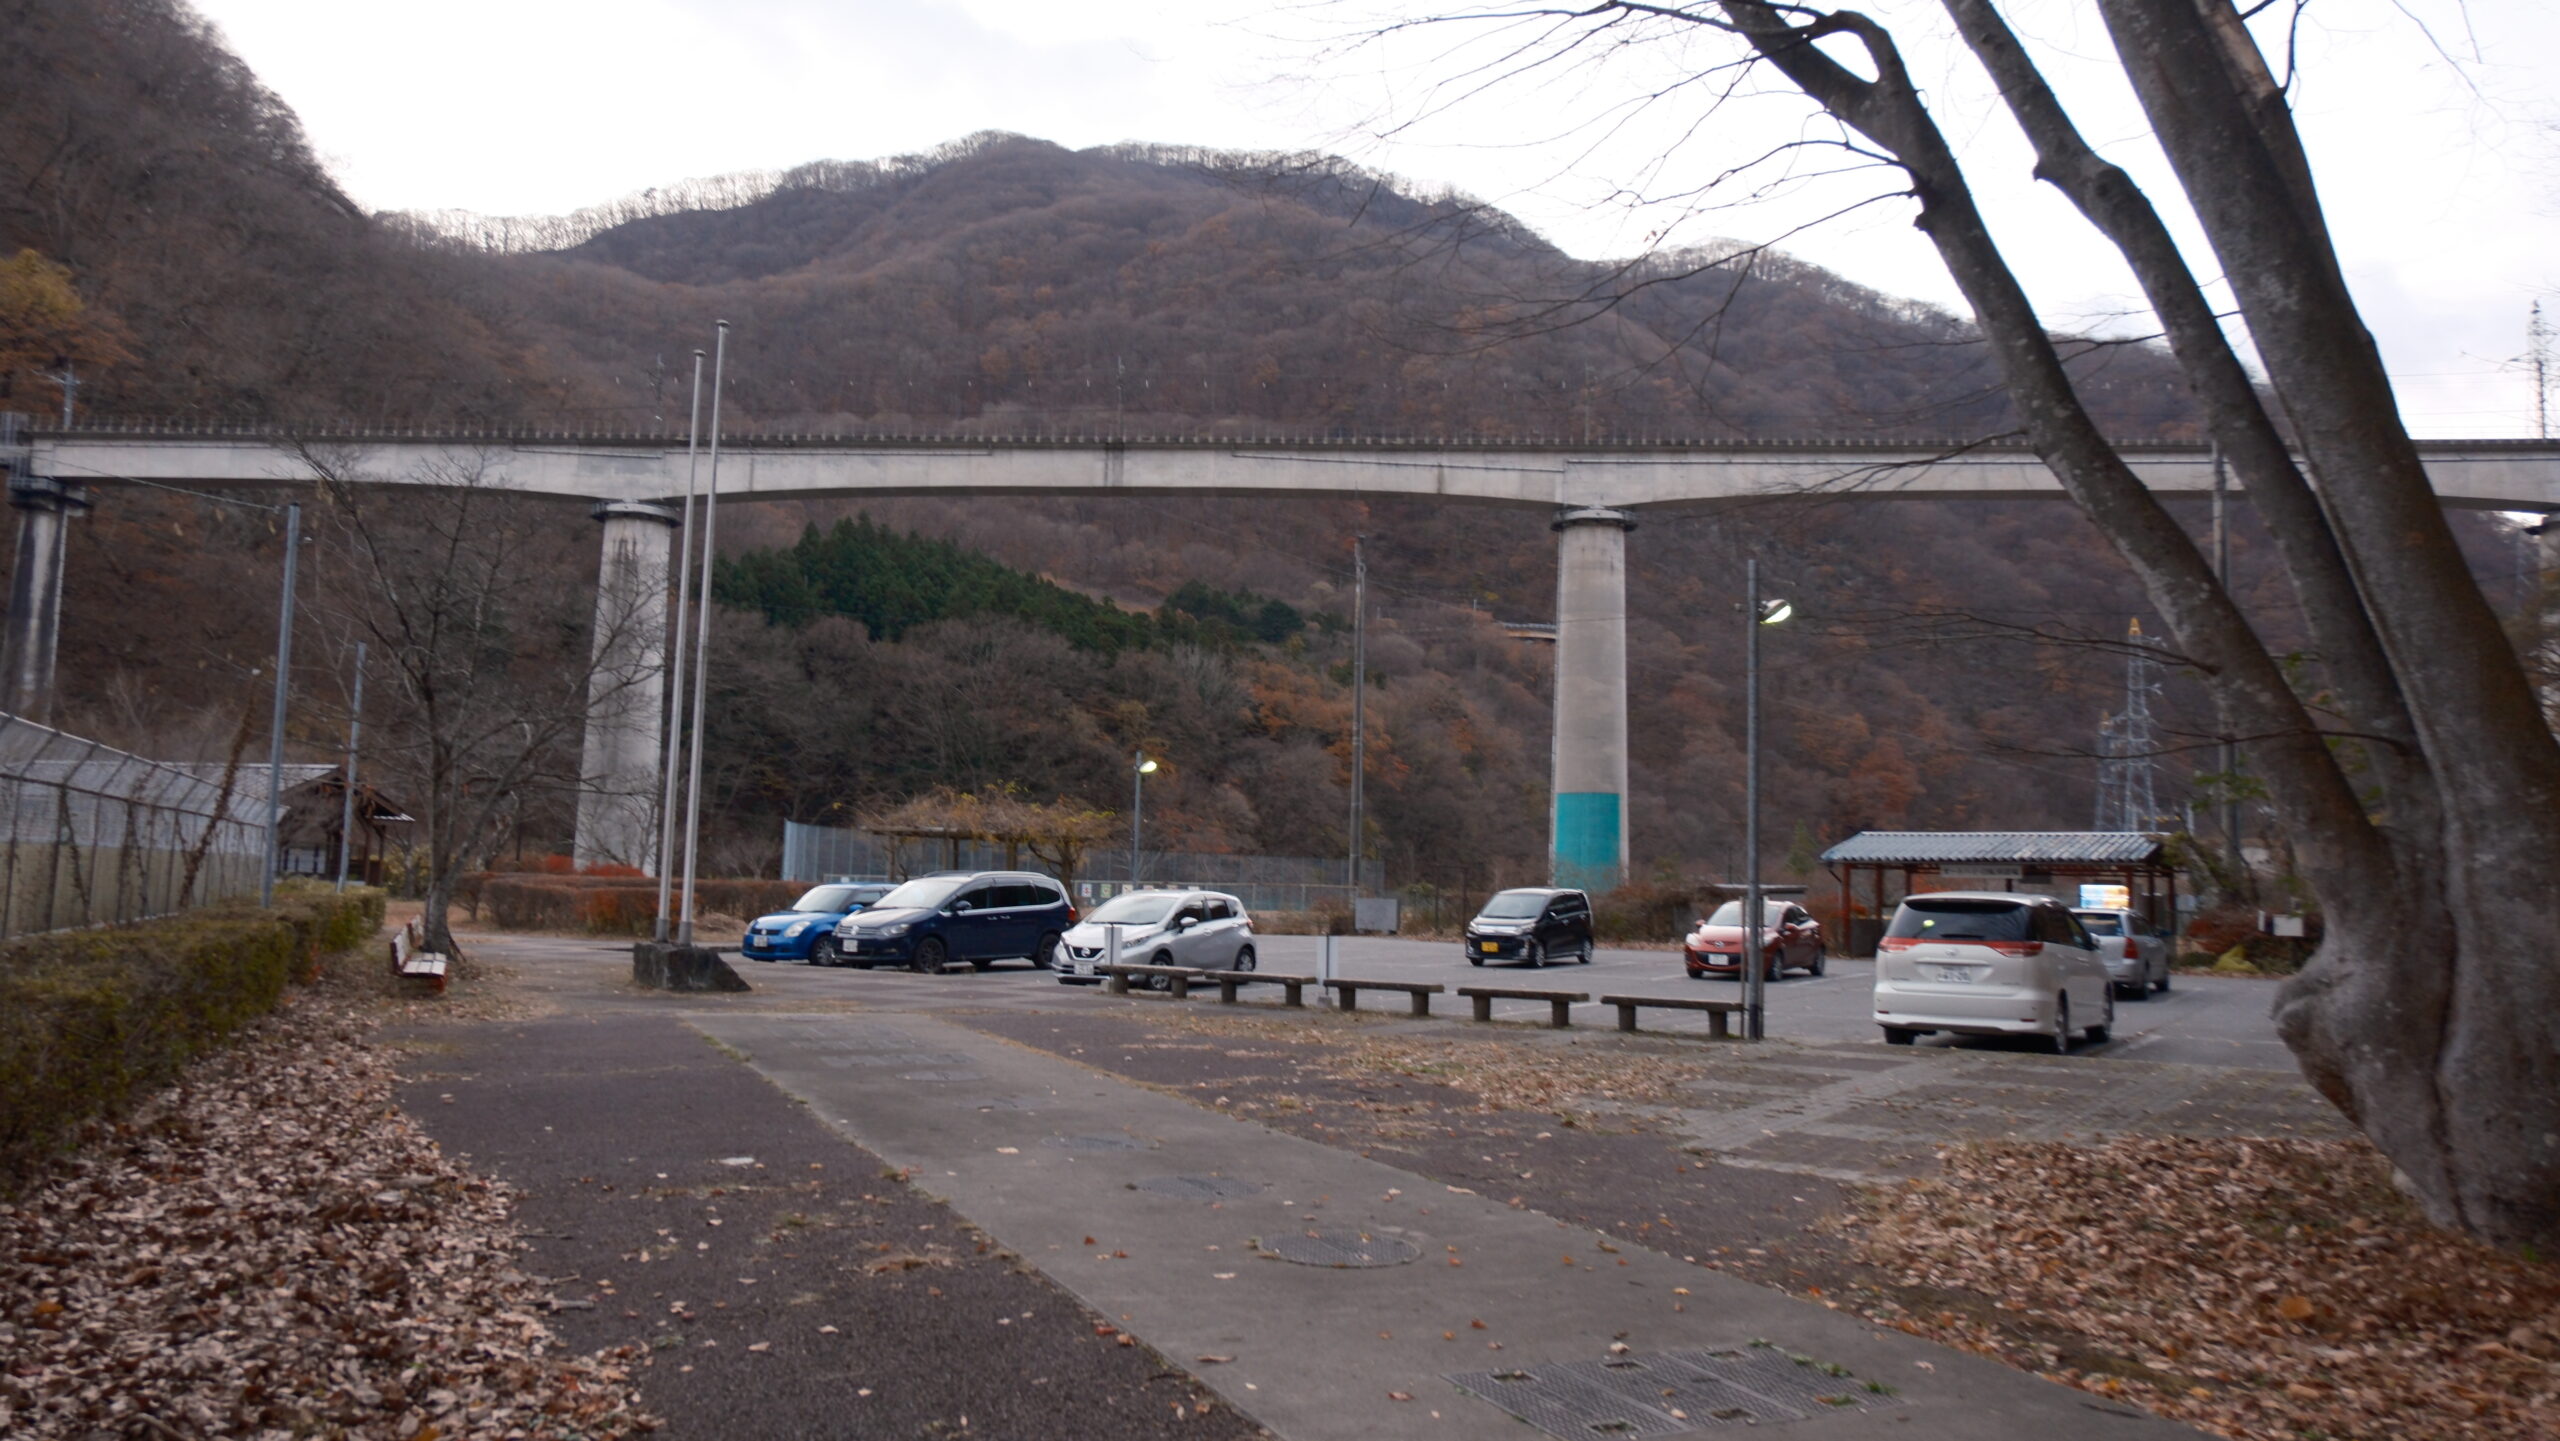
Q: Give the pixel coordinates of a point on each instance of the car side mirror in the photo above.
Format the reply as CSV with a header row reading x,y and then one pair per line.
x,y
1186,923
958,907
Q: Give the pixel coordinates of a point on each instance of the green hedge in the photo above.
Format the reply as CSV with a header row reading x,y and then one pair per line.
x,y
92,1020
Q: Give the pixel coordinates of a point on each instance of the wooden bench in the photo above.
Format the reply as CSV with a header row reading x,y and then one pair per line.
x,y
1229,980
1560,1003
1420,991
407,960
1718,1012
1177,979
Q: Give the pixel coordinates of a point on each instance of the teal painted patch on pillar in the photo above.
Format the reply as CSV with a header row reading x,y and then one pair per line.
x,y
1586,846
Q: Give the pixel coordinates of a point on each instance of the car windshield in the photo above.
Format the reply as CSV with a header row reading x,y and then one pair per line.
x,y
1514,906
924,893
1138,908
1933,920
2101,923
834,898
1730,913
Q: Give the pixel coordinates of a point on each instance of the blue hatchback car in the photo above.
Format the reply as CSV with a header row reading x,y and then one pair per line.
x,y
807,931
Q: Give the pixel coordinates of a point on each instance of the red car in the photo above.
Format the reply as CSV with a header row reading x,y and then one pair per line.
x,y
1790,935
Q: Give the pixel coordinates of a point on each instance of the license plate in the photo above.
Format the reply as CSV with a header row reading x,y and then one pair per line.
x,y
1959,975
1488,947
1723,958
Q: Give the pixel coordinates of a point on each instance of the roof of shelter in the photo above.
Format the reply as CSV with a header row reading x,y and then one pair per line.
x,y
2016,848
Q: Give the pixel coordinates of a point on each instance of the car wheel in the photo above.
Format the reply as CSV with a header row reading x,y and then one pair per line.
x,y
1821,959
825,952
1160,983
2057,1041
1045,955
930,955
2106,1027
1777,970
1897,1036
2164,980
1587,949
1244,959
1474,960
1534,954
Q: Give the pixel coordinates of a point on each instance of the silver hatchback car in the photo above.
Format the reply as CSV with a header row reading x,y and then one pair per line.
x,y
1207,929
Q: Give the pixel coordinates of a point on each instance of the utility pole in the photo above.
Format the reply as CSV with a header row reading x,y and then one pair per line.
x,y
702,635
275,724
1755,956
347,811
2228,757
675,662
2537,342
1359,701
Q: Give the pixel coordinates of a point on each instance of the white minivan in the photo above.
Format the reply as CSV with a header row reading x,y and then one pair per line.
x,y
1991,963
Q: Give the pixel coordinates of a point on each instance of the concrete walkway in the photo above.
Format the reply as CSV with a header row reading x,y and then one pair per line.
x,y
1167,1216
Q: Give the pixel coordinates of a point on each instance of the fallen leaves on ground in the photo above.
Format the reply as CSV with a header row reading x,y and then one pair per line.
x,y
270,1249
2264,1289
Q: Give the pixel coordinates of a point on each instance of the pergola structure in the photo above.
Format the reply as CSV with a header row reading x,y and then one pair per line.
x,y
2045,861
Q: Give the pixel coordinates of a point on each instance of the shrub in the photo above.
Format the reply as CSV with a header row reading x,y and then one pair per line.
x,y
614,906
1643,911
92,1020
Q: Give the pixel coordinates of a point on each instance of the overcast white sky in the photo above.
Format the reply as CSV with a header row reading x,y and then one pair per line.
x,y
2442,179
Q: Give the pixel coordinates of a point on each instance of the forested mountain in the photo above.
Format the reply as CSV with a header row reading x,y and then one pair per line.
x,y
1006,285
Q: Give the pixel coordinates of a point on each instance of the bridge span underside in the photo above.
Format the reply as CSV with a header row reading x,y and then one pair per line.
x,y
1594,490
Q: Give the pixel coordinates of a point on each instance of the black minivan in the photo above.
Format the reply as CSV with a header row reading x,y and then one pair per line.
x,y
1534,925
981,917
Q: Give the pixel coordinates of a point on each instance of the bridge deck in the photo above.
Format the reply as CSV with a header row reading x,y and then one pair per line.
x,y
2481,474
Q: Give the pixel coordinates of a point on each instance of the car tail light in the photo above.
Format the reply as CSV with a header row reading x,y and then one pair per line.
x,y
1897,943
2016,948
1071,913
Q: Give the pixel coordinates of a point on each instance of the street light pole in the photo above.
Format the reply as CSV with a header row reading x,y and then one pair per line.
x,y
1359,708
275,725
1755,977
702,634
347,812
1755,958
1139,769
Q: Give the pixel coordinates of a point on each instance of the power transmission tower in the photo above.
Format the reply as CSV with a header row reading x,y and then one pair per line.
x,y
2537,357
2128,798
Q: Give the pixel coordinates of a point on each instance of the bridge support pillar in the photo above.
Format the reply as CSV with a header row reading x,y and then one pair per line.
x,y
626,690
45,508
1588,846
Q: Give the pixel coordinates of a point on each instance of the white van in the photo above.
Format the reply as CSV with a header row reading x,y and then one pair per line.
x,y
1991,963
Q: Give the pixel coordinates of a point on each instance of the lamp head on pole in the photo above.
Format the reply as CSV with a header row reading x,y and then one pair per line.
x,y
1774,611
1146,764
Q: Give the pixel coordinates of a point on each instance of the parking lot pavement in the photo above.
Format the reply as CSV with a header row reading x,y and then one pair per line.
x,y
2208,1020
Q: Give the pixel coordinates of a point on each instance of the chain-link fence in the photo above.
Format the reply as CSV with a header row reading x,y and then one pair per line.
x,y
1263,883
91,835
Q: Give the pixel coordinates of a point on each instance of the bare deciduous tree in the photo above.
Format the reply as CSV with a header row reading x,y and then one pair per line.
x,y
2431,1013
479,611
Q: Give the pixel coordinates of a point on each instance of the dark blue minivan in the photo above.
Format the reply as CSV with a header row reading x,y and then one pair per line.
x,y
807,931
980,917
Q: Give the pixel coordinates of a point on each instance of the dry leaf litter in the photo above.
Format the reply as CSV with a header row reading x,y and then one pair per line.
x,y
271,1249
2270,1290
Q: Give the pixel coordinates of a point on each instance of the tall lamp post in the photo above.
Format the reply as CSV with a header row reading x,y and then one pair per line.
x,y
1141,766
1755,973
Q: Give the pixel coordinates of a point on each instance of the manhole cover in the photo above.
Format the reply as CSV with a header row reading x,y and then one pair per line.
x,y
1200,1188
1097,1143
1341,1248
1636,1395
940,1076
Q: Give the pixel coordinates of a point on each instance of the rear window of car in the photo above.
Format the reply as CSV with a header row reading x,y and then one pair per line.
x,y
1927,920
2101,923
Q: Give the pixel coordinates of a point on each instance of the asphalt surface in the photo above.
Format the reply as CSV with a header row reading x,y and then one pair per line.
x,y
776,1112
782,1281
2201,1020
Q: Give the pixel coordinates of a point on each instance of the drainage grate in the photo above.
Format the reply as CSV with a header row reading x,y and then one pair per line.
x,y
1342,1249
1200,1188
1670,1394
1097,1143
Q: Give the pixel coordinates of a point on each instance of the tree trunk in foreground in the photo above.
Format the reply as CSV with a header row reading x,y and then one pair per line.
x,y
2431,1013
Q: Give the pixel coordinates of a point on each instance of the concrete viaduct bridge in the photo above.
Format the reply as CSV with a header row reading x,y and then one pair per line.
x,y
1591,494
